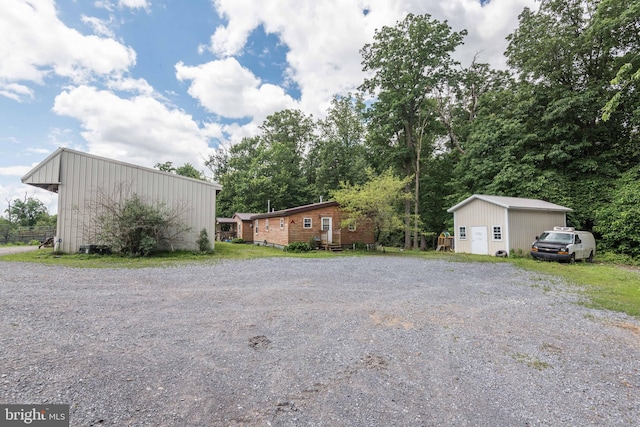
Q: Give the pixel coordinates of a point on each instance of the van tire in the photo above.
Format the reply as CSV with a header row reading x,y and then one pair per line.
x,y
572,258
590,258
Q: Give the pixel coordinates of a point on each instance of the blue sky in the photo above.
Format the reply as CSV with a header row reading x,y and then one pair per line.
x,y
149,81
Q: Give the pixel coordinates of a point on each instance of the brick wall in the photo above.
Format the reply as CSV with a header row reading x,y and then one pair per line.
x,y
293,230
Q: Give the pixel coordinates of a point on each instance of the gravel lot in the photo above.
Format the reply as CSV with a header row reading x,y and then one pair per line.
x,y
369,341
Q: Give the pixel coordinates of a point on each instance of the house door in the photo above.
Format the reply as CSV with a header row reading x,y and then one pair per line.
x,y
479,241
328,228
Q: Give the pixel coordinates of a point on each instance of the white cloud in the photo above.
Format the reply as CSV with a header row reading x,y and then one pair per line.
x,y
134,4
140,86
15,170
229,90
99,26
325,38
29,54
139,130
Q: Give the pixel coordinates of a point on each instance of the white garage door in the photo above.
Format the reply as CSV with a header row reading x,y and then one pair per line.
x,y
479,241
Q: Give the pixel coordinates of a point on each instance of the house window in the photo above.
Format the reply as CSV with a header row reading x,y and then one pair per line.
x,y
256,226
352,227
281,223
266,225
497,232
306,223
462,233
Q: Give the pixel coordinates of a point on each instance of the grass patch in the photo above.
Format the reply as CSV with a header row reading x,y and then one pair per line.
x,y
610,287
223,250
531,361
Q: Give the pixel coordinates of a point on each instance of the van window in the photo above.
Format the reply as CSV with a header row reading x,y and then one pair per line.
x,y
556,237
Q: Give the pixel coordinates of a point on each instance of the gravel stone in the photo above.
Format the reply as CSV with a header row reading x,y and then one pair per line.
x,y
357,341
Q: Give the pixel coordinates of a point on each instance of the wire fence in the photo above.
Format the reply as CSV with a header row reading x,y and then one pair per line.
x,y
13,234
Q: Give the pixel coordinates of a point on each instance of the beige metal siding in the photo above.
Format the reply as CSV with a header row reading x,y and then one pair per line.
x,y
83,177
479,213
525,225
48,174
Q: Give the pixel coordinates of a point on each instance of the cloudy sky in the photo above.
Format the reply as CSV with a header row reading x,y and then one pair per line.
x,y
149,81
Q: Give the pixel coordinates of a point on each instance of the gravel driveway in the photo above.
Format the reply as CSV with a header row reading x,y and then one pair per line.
x,y
350,341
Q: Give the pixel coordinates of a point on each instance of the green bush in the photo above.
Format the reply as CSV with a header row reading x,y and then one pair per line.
x,y
204,244
34,242
298,247
359,246
238,240
133,227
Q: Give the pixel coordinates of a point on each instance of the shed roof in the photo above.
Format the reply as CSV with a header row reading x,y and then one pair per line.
x,y
52,164
221,220
513,203
244,216
298,209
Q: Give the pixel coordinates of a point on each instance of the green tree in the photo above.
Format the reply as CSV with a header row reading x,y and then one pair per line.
x,y
618,220
187,170
27,212
338,154
406,64
376,200
543,136
266,170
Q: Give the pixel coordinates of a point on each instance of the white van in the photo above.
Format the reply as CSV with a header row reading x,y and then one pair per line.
x,y
564,244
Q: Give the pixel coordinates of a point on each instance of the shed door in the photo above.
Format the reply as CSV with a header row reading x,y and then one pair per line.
x,y
327,226
479,241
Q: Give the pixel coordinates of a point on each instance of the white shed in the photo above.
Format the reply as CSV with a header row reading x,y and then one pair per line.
x,y
79,177
488,224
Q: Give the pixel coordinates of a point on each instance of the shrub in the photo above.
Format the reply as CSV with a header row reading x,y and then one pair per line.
x,y
238,240
34,242
298,247
203,241
135,228
359,246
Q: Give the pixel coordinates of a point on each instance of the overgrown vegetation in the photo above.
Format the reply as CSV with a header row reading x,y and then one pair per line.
x,y
132,226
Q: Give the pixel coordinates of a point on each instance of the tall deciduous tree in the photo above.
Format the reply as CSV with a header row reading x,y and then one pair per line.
x,y
405,64
338,154
544,138
266,170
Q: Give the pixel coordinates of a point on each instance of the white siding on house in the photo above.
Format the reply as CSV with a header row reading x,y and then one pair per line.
x,y
520,220
83,177
476,214
524,226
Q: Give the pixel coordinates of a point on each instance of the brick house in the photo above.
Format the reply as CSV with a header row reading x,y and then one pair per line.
x,y
303,223
244,225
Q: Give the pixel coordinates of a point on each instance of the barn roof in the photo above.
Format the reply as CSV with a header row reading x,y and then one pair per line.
x,y
46,174
298,209
513,203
